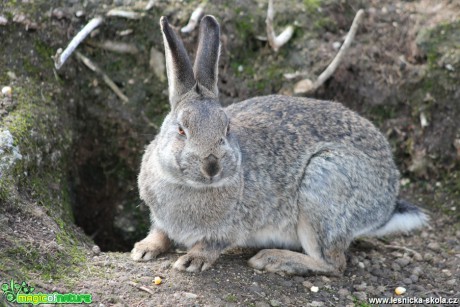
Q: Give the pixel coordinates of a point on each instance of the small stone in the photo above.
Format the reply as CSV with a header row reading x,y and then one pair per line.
x,y
7,91
343,292
447,272
362,296
395,266
451,282
361,265
361,287
418,257
298,279
428,257
307,284
261,304
275,303
325,279
381,289
414,278
407,281
315,304
336,45
314,289
402,261
417,271
96,250
3,20
190,295
434,246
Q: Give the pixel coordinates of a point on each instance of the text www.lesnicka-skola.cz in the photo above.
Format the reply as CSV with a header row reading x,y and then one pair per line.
x,y
414,300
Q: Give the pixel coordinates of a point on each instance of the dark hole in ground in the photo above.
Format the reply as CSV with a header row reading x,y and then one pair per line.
x,y
107,158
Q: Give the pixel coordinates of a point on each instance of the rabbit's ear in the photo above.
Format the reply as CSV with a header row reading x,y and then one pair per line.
x,y
207,56
178,66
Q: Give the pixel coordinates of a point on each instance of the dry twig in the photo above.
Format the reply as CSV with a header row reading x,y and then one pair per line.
x,y
143,288
307,86
276,41
104,76
194,19
62,56
117,12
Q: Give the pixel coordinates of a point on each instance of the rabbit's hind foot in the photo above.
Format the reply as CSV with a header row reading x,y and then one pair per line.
x,y
294,263
155,243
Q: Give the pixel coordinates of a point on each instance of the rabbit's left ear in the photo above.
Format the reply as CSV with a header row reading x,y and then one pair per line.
x,y
207,56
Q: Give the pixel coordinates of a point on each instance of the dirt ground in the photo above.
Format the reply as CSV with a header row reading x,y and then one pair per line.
x,y
371,81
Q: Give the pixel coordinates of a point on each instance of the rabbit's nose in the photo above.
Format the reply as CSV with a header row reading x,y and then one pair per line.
x,y
211,166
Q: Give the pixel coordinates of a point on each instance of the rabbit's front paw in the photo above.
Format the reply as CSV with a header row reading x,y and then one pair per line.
x,y
154,244
194,262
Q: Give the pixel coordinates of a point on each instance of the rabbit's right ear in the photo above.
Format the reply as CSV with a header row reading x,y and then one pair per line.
x,y
178,66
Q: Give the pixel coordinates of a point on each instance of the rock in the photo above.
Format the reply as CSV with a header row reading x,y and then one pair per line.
x,y
3,20
407,281
343,292
315,304
361,265
362,296
307,284
414,278
96,250
275,303
261,304
417,271
361,287
403,261
434,246
395,266
428,257
451,282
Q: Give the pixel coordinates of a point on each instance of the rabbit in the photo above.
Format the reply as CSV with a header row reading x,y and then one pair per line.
x,y
298,178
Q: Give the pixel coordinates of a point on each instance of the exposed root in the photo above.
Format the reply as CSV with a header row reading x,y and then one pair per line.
x,y
88,63
276,41
62,56
307,86
194,19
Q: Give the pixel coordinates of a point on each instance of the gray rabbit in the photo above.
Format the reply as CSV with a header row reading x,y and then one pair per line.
x,y
299,177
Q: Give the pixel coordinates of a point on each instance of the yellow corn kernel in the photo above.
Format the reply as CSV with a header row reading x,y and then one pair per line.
x,y
157,280
400,290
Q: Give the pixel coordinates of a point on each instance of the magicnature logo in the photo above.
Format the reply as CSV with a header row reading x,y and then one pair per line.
x,y
22,294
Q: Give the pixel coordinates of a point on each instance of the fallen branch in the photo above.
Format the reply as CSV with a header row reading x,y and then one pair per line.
x,y
276,41
143,288
62,56
104,76
194,19
118,47
307,86
117,12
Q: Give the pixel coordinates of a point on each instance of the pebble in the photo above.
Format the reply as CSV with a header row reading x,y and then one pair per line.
x,y
314,289
362,296
395,266
96,250
7,90
407,281
275,303
434,246
190,295
414,278
428,257
402,261
361,287
298,279
417,271
307,284
3,20
343,292
315,304
361,265
381,289
336,45
451,282
261,304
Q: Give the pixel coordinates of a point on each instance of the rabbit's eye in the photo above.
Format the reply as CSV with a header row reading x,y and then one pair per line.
x,y
181,131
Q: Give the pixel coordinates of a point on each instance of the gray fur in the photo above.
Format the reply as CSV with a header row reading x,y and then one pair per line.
x,y
294,173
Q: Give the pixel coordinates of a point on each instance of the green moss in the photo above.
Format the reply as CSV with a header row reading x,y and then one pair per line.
x,y
231,298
